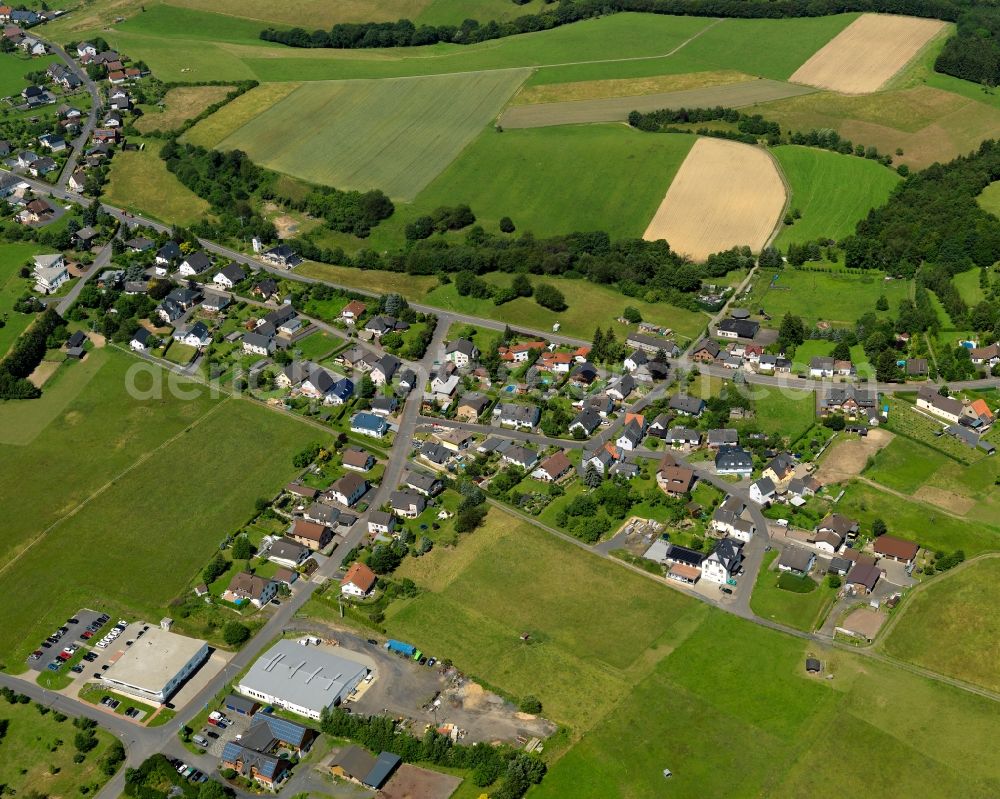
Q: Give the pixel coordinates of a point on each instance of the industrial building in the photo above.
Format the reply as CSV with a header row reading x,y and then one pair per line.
x,y
302,679
154,667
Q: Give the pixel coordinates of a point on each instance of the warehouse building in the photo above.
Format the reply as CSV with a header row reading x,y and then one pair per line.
x,y
156,665
302,679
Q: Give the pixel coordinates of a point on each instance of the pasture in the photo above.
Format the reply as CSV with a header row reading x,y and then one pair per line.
x,y
835,297
617,109
13,67
784,410
864,56
396,135
38,753
131,511
950,625
968,286
536,179
725,194
141,182
832,191
624,87
661,673
179,105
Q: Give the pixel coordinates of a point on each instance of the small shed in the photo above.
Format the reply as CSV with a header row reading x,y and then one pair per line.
x,y
813,666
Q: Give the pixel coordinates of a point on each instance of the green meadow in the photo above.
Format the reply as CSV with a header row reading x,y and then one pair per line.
x,y
129,514
831,191
950,625
647,679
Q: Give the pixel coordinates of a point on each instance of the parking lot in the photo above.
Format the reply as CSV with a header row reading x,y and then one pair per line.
x,y
75,628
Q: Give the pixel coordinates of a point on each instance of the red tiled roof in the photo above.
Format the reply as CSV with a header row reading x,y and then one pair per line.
x,y
361,576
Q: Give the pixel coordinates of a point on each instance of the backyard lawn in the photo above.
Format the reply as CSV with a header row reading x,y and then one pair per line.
x,y
790,600
12,287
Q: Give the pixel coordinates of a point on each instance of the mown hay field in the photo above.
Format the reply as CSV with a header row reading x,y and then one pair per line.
x,y
725,194
179,105
141,182
395,135
867,53
614,109
831,191
232,116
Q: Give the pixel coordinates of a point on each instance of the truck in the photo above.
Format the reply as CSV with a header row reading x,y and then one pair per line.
x,y
399,647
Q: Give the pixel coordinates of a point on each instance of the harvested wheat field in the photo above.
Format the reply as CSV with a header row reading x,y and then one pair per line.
x,y
867,53
725,194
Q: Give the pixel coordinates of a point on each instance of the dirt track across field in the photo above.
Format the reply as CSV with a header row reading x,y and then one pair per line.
x,y
867,53
616,109
725,194
848,457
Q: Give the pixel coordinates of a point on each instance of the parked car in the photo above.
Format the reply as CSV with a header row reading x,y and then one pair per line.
x,y
54,665
35,655
72,621
77,669
211,734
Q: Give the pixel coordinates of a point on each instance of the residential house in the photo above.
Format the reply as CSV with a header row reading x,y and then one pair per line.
x,y
842,525
229,275
620,388
378,326
723,437
553,468
49,273
265,769
445,382
584,374
381,523
850,400
384,406
167,255
863,577
556,362
803,487
353,311
383,371
435,453
518,416
917,367
587,421
195,336
357,459
763,491
359,582
286,552
322,513
52,142
633,432
674,480
214,302
518,353
84,49
140,340
797,561
310,534
728,520
461,352
635,360
986,356
733,460
42,166
521,456
826,366
258,344
602,459
624,468
724,562
264,289
408,504
282,255
780,469
246,587
737,328
369,424
425,484
471,406
194,264
897,549
705,351
687,405
348,489
407,381
660,425
650,345
682,437
977,414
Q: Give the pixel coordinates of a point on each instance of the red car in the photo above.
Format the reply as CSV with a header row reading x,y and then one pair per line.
x,y
87,635
63,656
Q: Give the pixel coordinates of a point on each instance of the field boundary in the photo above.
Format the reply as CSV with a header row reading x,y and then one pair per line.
x,y
788,199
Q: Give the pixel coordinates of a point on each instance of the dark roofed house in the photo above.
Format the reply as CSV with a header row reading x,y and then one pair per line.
x,y
737,328
686,404
733,460
864,577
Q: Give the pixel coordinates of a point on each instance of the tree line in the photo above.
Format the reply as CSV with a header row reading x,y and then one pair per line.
x,y
751,129
973,53
24,357
513,771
